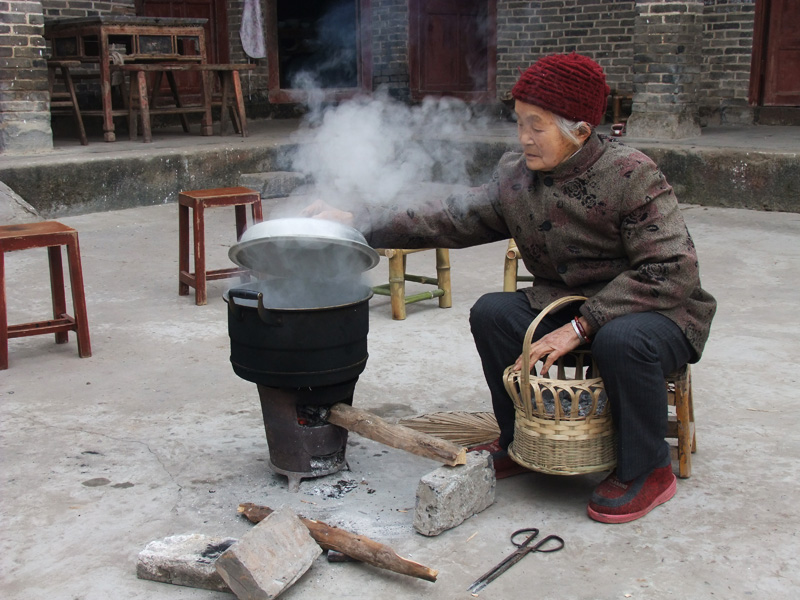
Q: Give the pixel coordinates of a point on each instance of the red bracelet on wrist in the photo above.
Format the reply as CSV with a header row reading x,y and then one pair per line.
x,y
582,330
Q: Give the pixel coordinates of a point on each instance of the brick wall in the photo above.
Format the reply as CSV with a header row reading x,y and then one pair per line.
x,y
605,30
600,29
87,8
390,46
727,50
24,98
667,69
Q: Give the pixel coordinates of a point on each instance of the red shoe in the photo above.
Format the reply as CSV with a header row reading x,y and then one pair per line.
x,y
616,502
504,465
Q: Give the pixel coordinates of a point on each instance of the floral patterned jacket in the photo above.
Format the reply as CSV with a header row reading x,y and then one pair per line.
x,y
604,224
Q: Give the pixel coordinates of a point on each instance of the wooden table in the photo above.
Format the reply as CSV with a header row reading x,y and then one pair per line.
x,y
150,40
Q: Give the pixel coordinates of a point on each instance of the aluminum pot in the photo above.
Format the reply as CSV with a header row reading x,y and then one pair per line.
x,y
303,247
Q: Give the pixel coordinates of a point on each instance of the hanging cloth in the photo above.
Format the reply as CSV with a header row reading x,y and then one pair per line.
x,y
252,29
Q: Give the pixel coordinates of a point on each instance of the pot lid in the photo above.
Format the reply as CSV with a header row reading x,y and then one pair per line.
x,y
303,247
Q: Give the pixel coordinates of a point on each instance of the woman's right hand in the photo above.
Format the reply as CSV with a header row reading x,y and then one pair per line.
x,y
319,209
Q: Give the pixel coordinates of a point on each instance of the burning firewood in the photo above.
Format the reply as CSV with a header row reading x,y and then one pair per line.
x,y
353,545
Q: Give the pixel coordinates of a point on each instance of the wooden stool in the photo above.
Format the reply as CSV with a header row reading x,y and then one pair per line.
x,y
681,419
617,99
231,100
68,99
198,201
396,288
52,235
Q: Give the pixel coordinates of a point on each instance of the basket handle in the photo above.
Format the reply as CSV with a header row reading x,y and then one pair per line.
x,y
525,371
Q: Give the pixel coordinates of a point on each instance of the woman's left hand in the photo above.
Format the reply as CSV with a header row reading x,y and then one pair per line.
x,y
319,209
554,345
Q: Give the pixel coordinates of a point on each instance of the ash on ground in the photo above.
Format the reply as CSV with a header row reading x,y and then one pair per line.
x,y
334,490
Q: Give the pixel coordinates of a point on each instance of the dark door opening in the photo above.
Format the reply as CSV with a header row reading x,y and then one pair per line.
x,y
318,45
318,40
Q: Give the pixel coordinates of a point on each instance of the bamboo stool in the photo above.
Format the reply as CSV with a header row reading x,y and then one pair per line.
x,y
51,235
680,425
511,268
396,288
198,201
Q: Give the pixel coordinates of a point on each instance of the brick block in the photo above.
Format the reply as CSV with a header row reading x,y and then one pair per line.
x,y
448,496
269,558
184,560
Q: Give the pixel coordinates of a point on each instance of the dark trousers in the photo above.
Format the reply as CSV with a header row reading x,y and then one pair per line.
x,y
634,354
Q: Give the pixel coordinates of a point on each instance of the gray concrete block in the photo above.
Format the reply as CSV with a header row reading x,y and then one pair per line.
x,y
26,134
184,560
275,184
269,558
14,209
448,496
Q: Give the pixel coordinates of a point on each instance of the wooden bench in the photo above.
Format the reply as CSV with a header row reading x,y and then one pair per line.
x,y
143,102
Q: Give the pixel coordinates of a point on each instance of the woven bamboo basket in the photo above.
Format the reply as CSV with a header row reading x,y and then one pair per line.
x,y
563,424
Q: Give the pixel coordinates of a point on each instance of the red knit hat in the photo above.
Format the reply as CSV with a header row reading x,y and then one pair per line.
x,y
570,85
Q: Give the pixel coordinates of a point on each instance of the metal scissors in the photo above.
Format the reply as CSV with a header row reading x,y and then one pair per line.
x,y
551,543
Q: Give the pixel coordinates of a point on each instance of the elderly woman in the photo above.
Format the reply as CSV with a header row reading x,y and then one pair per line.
x,y
594,218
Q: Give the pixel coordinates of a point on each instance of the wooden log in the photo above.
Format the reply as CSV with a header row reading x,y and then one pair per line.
x,y
355,546
397,436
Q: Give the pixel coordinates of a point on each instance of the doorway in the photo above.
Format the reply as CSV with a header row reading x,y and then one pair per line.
x,y
775,71
452,49
318,47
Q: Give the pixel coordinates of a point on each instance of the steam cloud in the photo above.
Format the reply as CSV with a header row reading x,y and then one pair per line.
x,y
375,149
369,150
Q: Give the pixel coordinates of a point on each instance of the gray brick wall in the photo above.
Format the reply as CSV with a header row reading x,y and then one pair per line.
x,y
390,46
667,69
727,50
24,98
87,8
605,30
600,29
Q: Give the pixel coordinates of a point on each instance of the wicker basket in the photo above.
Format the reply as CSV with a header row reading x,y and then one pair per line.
x,y
562,425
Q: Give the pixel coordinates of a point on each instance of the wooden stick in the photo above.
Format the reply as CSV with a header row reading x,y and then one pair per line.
x,y
355,546
397,436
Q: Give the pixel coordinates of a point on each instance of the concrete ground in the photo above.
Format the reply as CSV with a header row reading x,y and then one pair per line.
x,y
154,435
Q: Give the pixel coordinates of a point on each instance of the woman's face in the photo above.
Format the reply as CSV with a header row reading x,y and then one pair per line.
x,y
544,145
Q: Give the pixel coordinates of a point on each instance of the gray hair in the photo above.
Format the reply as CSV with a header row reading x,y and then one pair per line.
x,y
570,128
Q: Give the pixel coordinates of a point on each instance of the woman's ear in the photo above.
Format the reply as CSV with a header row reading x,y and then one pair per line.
x,y
583,131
